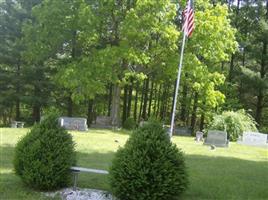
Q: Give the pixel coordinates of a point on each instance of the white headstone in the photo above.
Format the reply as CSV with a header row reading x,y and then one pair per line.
x,y
73,123
254,139
199,136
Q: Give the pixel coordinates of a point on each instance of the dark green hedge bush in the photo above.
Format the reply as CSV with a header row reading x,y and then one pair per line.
x,y
148,167
129,124
44,156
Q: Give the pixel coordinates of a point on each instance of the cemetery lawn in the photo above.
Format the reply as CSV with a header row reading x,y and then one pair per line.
x,y
237,172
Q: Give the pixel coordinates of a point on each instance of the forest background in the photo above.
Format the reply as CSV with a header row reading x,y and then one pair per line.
x,y
119,58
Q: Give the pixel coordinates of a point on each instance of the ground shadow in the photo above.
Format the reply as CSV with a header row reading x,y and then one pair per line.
x,y
211,177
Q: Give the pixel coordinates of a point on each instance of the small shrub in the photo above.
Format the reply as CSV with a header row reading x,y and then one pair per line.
x,y
129,124
44,156
149,167
234,123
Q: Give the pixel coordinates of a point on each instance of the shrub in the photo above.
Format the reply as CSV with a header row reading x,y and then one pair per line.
x,y
44,156
234,123
129,124
149,167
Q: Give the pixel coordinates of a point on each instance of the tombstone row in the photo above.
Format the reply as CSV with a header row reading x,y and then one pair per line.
x,y
219,138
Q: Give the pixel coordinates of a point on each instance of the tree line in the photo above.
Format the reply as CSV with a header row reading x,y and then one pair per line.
x,y
119,58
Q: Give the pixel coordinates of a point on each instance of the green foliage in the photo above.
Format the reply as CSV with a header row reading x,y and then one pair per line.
x,y
148,167
44,156
234,123
129,124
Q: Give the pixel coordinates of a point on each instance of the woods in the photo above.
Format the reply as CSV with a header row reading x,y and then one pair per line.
x,y
119,58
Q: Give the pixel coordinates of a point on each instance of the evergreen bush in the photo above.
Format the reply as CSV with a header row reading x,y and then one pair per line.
x,y
129,124
44,156
148,167
234,123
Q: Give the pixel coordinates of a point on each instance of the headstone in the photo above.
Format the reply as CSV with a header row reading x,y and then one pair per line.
x,y
102,122
182,131
217,138
17,124
73,123
199,136
253,139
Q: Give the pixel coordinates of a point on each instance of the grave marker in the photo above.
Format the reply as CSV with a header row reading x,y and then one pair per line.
x,y
217,138
73,123
102,122
253,139
199,136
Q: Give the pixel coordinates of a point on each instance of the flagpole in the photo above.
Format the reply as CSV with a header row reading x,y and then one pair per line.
x,y
177,85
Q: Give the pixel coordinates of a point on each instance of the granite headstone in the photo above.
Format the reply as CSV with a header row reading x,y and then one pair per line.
x,y
182,131
217,138
102,122
73,123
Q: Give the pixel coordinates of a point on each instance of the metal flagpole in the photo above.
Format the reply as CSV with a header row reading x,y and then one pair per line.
x,y
177,86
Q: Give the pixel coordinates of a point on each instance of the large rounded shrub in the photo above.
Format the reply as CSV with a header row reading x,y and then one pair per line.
x,y
44,156
149,167
234,123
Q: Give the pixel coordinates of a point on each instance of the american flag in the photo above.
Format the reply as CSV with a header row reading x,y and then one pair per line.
x,y
188,19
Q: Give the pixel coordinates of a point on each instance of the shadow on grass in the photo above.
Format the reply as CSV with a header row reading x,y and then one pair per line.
x,y
210,177
226,178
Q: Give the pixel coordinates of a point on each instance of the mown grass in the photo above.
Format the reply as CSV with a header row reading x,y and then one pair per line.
x,y
237,172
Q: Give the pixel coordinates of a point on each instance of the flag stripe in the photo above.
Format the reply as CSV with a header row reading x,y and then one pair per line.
x,y
188,19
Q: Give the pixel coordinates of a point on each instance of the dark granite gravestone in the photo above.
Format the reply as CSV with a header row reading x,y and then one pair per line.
x,y
182,131
217,138
102,122
254,139
73,123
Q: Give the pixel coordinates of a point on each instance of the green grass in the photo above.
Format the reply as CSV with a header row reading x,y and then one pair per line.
x,y
237,172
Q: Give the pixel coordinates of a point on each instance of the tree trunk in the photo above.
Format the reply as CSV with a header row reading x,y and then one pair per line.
x,y
36,106
124,115
202,121
173,97
110,99
136,101
144,111
150,98
183,104
141,102
18,94
130,89
260,96
90,112
70,106
231,71
115,109
158,101
163,104
36,112
17,109
193,118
